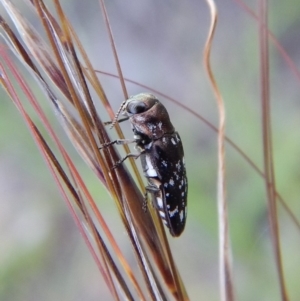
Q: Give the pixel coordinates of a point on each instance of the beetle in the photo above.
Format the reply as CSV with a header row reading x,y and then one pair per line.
x,y
161,152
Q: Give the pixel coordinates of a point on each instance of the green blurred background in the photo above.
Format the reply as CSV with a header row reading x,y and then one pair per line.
x,y
42,255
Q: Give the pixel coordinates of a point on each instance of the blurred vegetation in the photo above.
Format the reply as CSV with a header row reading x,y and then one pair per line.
x,y
42,256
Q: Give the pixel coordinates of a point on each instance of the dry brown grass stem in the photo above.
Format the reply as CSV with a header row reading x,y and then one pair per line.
x,y
226,277
267,144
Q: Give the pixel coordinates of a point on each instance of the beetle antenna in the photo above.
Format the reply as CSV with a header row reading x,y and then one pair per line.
x,y
119,121
117,115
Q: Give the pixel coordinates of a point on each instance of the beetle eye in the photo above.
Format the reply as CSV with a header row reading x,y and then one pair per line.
x,y
136,107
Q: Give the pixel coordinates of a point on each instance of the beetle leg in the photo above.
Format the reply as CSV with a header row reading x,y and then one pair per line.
x,y
118,142
152,189
135,156
145,202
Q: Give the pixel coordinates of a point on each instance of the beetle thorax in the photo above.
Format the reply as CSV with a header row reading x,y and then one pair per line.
x,y
154,123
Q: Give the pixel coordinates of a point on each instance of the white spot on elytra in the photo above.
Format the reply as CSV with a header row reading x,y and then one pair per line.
x,y
173,212
159,202
181,215
182,193
167,194
178,165
151,172
171,182
160,125
166,184
164,163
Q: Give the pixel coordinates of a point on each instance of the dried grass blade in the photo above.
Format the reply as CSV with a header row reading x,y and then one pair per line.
x,y
114,48
267,144
81,206
37,47
51,161
226,278
70,123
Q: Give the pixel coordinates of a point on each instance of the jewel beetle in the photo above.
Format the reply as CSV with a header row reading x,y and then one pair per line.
x,y
161,152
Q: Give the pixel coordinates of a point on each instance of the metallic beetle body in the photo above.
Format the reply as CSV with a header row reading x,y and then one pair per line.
x,y
162,158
